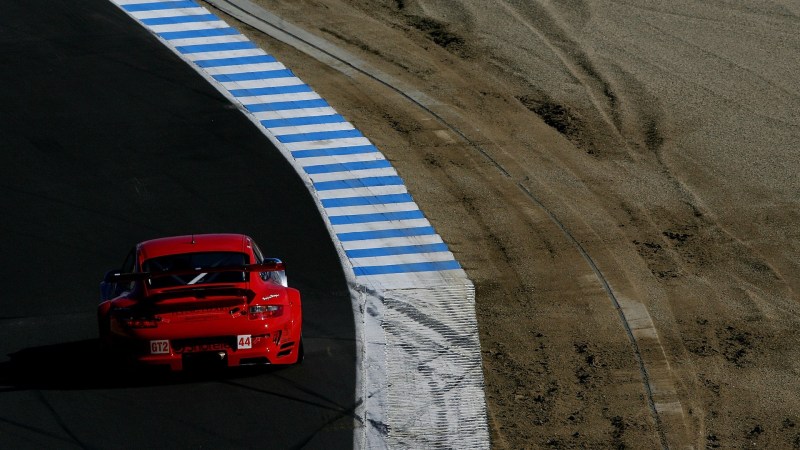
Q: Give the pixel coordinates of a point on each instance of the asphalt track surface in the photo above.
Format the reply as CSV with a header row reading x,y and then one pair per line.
x,y
109,139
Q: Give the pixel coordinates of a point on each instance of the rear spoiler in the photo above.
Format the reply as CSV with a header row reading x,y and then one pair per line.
x,y
274,265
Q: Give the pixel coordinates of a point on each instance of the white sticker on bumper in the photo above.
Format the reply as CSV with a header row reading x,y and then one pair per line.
x,y
244,341
159,347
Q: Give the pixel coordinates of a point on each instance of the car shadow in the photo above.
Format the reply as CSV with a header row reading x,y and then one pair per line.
x,y
81,365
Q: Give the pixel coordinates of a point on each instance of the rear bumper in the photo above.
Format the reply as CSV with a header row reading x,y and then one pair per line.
x,y
234,340
235,343
265,349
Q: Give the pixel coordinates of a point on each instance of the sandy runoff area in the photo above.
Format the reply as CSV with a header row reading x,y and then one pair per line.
x,y
620,179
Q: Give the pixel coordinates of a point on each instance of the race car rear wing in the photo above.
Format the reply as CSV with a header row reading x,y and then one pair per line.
x,y
272,265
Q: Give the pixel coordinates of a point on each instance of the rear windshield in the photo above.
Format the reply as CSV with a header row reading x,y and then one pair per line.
x,y
188,261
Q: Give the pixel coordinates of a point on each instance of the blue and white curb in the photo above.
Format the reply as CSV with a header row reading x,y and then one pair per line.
x,y
383,233
414,302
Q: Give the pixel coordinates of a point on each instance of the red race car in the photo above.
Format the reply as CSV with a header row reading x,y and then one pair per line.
x,y
211,297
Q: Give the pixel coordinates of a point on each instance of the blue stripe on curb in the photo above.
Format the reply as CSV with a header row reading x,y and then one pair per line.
x,y
346,167
249,76
367,200
203,48
336,151
274,90
319,136
391,251
406,268
278,106
376,217
207,32
298,121
384,234
355,183
240,61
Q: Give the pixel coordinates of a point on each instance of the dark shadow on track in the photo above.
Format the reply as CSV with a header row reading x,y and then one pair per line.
x,y
82,365
110,139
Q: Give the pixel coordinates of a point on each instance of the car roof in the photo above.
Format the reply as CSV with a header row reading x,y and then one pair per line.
x,y
193,243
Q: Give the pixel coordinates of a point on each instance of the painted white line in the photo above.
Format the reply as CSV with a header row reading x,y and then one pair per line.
x,y
393,242
224,54
207,40
388,225
312,163
244,68
142,15
335,159
362,192
395,282
267,82
300,129
292,113
293,97
333,143
134,2
402,259
339,176
189,26
372,209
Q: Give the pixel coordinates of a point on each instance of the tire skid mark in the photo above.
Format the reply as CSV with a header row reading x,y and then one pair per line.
x,y
59,420
576,61
448,368
36,430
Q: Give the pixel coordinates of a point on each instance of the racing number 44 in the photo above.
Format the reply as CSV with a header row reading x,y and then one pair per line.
x,y
244,341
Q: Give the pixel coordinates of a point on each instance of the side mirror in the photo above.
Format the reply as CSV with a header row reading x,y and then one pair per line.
x,y
279,277
108,288
277,271
113,284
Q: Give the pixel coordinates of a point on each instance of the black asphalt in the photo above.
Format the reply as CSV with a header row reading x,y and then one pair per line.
x,y
108,139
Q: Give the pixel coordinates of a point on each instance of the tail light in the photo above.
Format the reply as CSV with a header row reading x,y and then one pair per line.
x,y
141,322
265,311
